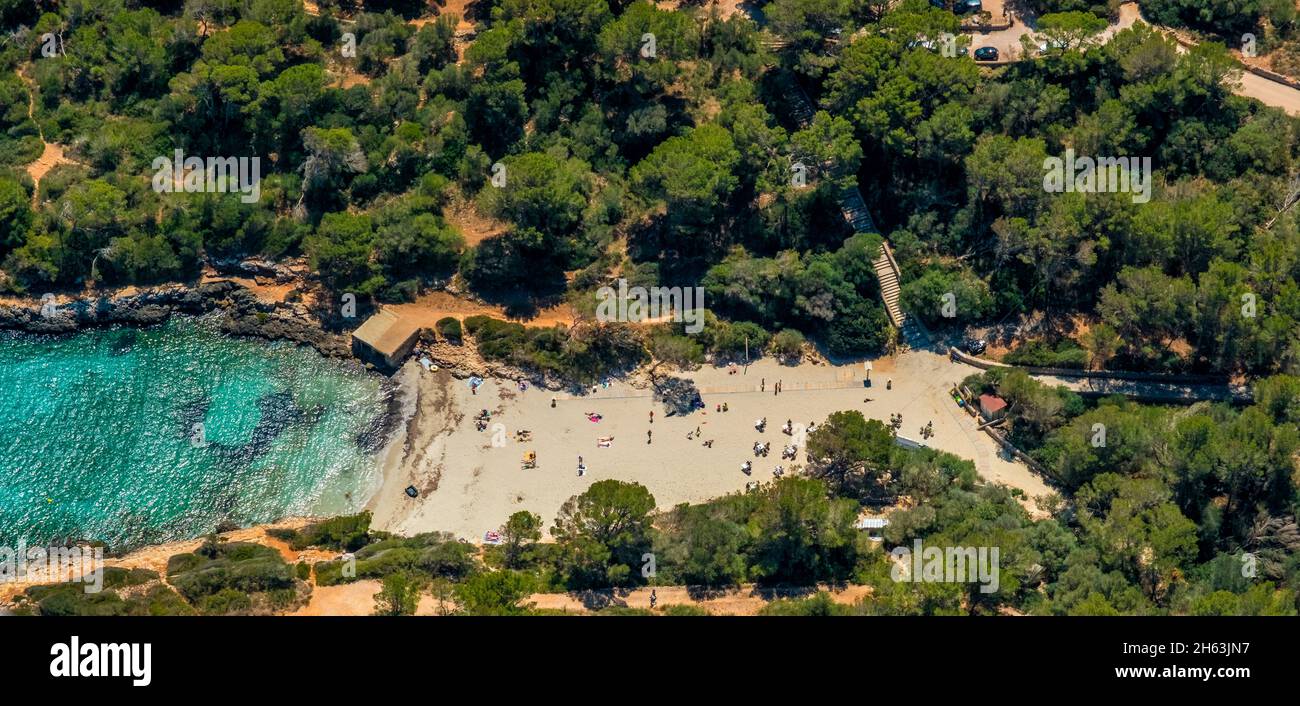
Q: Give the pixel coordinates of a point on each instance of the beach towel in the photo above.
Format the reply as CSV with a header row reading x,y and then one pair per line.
x,y
428,364
491,537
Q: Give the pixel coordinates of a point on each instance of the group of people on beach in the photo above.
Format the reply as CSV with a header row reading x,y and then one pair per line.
x,y
761,448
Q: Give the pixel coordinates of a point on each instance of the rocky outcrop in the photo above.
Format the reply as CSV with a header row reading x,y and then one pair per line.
x,y
292,270
242,314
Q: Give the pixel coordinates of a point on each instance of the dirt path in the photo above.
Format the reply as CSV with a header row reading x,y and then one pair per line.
x,y
52,154
475,226
429,308
746,600
357,598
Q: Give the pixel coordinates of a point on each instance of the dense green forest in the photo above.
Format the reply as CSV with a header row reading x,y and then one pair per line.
x,y
673,168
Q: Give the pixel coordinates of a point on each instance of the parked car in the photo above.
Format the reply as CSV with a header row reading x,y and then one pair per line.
x,y
930,44
986,54
960,7
975,346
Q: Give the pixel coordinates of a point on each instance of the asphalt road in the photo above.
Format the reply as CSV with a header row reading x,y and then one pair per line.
x,y
1250,85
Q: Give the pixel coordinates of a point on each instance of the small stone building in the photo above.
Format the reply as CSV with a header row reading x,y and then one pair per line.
x,y
385,339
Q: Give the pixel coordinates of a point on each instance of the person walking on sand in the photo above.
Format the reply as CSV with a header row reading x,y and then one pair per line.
x,y
652,416
762,385
653,599
648,433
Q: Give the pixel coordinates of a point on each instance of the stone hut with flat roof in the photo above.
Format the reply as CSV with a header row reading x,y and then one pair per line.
x,y
385,339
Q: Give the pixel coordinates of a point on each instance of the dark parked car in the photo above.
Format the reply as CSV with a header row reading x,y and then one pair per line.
x,y
960,7
986,54
975,346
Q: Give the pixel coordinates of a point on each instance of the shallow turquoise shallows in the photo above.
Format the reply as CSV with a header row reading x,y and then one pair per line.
x,y
137,437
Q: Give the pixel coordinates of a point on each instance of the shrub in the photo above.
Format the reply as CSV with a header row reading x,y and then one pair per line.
x,y
239,566
685,610
161,600
733,339
71,599
788,345
450,330
118,577
817,605
346,533
225,602
434,554
1065,354
929,295
585,353
681,351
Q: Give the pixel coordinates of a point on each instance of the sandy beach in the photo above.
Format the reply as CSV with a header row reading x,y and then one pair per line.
x,y
470,481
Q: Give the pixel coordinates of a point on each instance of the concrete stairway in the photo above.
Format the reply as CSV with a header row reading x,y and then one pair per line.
x,y
854,209
890,288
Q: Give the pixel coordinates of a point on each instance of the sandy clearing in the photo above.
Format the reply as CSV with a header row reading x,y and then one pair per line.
x,y
429,307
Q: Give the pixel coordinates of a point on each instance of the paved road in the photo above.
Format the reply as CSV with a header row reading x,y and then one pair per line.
x,y
1092,385
1141,389
1269,93
1250,85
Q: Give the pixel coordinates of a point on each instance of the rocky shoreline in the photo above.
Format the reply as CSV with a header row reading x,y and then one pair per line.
x,y
242,314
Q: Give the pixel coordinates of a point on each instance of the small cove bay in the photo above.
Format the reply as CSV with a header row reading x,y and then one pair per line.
x,y
141,436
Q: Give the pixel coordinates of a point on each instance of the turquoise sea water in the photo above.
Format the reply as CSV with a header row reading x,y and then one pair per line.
x,y
142,436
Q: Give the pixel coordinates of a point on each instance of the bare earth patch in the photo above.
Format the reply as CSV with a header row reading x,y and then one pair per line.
x,y
52,156
428,308
475,226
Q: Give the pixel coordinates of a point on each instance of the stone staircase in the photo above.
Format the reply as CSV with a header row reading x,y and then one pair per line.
x,y
912,332
890,287
800,107
855,211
